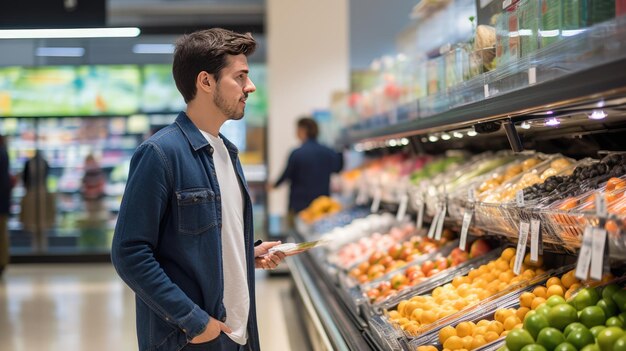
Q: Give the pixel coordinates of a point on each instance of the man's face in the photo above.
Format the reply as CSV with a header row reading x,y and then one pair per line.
x,y
233,87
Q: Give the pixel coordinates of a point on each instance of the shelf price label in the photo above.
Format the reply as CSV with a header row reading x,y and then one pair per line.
x,y
361,198
467,220
524,228
519,198
532,75
471,194
376,202
404,201
433,224
535,240
419,223
486,89
584,256
442,219
597,254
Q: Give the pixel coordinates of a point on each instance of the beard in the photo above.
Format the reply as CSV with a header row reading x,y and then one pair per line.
x,y
230,110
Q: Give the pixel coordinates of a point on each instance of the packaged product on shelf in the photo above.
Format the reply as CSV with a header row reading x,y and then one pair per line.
x,y
319,208
601,11
528,15
358,228
575,16
551,22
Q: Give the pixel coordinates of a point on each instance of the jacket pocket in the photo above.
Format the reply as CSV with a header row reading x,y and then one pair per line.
x,y
197,210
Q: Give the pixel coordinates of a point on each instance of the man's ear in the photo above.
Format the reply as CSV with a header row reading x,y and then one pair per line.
x,y
203,81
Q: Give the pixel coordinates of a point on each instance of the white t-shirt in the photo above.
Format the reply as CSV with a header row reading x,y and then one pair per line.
x,y
236,297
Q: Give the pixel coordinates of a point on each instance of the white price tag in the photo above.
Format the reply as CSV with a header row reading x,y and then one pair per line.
x,y
433,225
506,3
524,228
471,194
442,219
419,223
584,256
376,201
519,198
597,253
601,205
404,201
361,197
535,237
467,220
486,88
532,75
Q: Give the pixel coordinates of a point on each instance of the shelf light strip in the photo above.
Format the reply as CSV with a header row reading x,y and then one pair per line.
x,y
120,32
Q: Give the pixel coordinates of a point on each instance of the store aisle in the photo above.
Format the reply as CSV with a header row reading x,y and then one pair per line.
x,y
86,307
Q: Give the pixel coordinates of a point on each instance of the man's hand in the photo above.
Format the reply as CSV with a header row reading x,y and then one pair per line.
x,y
212,331
265,260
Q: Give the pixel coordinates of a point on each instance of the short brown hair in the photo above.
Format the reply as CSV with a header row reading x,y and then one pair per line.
x,y
206,50
309,126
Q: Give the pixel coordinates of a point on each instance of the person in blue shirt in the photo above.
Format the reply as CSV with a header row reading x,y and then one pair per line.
x,y
184,240
308,168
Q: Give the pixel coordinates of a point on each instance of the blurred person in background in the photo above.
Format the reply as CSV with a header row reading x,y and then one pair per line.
x,y
92,184
38,208
308,169
184,238
6,185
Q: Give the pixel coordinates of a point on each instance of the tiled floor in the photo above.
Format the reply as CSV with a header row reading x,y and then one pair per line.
x,y
87,307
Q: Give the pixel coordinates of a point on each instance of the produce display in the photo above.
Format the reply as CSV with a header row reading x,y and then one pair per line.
x,y
419,273
319,208
415,314
397,256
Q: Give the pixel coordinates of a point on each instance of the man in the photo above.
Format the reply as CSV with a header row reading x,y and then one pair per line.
x,y
309,168
183,240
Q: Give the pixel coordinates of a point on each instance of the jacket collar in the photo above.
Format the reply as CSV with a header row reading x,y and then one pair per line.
x,y
195,138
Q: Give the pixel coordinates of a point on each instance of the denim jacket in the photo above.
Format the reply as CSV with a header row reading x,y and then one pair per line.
x,y
167,245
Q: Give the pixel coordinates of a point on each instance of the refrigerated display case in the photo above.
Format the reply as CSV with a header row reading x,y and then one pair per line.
x,y
562,110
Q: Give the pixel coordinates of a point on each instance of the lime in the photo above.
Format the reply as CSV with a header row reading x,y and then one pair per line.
x,y
596,330
503,348
516,339
544,310
550,338
565,346
580,338
592,316
592,347
586,297
609,290
570,328
535,323
561,316
608,337
555,300
614,322
619,297
533,347
620,344
609,307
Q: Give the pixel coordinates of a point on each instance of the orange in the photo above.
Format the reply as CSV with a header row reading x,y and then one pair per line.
x,y
555,290
495,327
453,343
568,279
491,336
508,253
553,281
511,322
445,333
540,291
536,302
464,329
526,299
482,330
478,341
467,342
521,312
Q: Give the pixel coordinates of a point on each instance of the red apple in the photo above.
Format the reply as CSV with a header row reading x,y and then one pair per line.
x,y
479,248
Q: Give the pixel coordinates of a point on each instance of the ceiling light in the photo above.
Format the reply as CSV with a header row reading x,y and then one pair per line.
x,y
424,140
445,136
600,104
472,133
525,125
392,142
458,135
549,112
552,122
60,52
404,141
433,138
120,32
598,114
153,48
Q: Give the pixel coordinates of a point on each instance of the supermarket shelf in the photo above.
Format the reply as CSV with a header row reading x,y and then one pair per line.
x,y
579,70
